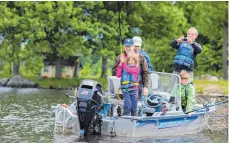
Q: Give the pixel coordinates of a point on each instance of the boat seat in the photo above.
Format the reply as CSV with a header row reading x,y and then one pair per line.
x,y
154,82
113,85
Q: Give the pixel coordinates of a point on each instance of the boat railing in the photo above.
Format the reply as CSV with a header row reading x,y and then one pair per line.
x,y
160,83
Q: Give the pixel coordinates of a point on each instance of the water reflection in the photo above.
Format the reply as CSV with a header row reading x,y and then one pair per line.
x,y
198,138
5,90
26,116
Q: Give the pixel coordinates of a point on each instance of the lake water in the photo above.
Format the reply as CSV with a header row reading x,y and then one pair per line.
x,y
26,117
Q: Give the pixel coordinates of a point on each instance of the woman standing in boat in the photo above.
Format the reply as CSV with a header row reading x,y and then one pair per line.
x,y
128,46
129,71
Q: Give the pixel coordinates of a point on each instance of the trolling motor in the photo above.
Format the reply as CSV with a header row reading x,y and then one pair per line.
x,y
89,102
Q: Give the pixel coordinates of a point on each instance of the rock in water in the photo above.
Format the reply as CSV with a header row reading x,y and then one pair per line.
x,y
212,89
18,81
3,81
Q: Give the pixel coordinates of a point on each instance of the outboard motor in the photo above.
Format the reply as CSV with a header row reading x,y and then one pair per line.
x,y
89,102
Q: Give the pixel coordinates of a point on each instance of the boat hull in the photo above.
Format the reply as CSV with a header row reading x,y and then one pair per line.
x,y
154,126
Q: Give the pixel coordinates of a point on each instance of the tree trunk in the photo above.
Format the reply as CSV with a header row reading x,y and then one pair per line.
x,y
77,68
15,68
104,67
16,64
225,52
58,68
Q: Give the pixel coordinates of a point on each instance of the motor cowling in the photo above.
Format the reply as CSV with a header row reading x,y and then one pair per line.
x,y
89,102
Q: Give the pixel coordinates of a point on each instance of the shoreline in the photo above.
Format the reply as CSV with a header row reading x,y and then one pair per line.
x,y
215,88
71,88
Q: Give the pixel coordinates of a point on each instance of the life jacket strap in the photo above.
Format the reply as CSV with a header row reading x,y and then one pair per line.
x,y
128,82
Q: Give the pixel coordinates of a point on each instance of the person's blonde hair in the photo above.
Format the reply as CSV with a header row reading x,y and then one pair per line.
x,y
183,72
194,29
134,56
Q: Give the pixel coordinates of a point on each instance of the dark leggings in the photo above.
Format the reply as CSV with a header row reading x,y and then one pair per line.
x,y
130,102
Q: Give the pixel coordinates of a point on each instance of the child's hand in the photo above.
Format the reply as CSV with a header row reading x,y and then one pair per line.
x,y
121,59
145,91
189,114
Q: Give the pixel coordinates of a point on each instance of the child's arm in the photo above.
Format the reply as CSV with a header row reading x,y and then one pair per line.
x,y
119,70
120,66
191,99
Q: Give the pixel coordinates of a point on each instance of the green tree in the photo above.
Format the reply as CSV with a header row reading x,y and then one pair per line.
x,y
104,16
60,31
54,29
12,28
215,16
158,23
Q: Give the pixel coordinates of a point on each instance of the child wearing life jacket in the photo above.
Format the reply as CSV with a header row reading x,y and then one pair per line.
x,y
129,73
187,92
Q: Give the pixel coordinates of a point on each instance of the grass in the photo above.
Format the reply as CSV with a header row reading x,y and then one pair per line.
x,y
200,85
75,82
64,83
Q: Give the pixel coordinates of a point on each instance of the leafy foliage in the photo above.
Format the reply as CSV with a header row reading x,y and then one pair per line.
x,y
31,30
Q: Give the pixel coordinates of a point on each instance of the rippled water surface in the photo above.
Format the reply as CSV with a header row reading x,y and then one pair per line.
x,y
26,116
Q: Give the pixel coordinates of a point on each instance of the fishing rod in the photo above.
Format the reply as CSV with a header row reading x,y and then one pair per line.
x,y
220,103
119,25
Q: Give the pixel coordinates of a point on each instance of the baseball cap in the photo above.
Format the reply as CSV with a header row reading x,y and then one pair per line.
x,y
128,42
137,41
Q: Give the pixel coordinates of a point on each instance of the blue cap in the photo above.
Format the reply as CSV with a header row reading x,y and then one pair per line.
x,y
128,42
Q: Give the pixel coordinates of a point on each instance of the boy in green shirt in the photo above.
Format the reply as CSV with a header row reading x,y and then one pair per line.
x,y
187,92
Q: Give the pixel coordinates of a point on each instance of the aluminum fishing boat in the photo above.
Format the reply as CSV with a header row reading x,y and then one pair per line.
x,y
96,112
